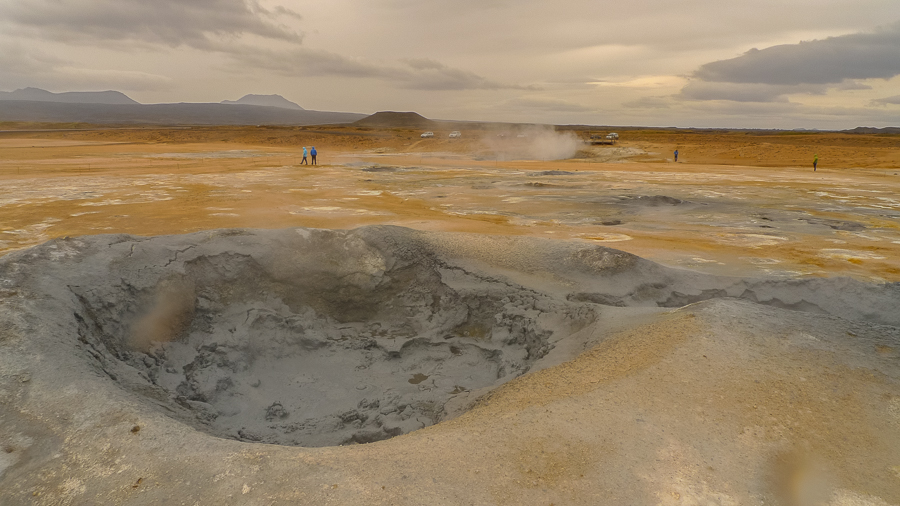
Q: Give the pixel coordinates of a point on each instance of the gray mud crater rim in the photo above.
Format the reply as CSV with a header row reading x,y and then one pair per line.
x,y
318,338
319,354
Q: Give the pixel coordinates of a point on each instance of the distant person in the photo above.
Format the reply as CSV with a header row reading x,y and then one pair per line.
x,y
676,155
304,157
313,153
815,162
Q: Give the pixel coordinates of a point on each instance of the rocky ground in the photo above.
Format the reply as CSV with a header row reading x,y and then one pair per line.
x,y
744,348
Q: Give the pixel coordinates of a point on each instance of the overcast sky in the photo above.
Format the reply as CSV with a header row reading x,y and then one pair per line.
x,y
704,63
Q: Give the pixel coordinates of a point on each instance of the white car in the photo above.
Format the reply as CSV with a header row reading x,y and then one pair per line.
x,y
455,134
427,135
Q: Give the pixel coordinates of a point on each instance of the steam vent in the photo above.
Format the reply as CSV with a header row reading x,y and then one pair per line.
x,y
275,357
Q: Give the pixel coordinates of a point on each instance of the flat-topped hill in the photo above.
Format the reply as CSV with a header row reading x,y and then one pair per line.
x,y
396,120
265,101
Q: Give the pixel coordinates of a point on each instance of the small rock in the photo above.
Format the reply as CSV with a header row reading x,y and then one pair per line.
x,y
246,435
276,410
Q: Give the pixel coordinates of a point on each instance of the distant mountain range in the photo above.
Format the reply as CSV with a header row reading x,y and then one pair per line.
x,y
71,97
113,107
872,130
265,101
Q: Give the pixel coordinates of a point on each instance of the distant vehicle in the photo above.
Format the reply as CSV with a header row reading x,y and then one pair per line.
x,y
522,136
427,134
455,134
611,138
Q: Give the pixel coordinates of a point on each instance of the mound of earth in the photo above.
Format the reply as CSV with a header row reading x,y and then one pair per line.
x,y
137,369
391,119
265,101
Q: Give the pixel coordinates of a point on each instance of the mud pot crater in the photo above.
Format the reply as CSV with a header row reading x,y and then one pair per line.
x,y
327,337
316,340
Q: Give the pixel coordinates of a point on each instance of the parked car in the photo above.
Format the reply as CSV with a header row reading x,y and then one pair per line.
x,y
455,134
427,134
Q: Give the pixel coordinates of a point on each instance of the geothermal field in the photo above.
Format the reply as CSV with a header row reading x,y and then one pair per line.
x,y
514,316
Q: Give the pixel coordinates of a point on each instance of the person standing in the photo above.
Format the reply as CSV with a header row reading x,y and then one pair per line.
x,y
815,162
313,153
676,155
304,157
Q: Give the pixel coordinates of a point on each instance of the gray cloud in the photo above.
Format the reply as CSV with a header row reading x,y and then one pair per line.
x,y
15,59
770,74
678,104
418,74
547,105
828,61
745,92
281,10
895,100
94,79
667,27
483,56
650,103
22,67
427,74
169,22
732,114
850,85
298,62
217,25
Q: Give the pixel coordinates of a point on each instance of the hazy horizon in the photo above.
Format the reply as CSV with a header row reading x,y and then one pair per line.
x,y
799,64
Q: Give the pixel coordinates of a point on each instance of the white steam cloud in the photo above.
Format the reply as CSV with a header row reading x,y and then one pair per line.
x,y
170,313
530,143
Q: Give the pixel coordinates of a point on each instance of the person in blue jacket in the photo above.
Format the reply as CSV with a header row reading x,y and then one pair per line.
x,y
313,153
304,157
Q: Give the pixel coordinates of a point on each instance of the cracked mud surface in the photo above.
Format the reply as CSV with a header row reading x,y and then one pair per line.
x,y
262,336
319,341
286,346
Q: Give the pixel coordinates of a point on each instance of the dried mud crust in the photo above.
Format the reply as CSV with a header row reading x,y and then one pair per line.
x,y
316,354
317,337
